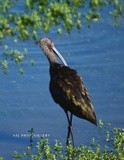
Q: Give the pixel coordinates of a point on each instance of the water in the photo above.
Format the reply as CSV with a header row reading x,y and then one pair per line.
x,y
25,102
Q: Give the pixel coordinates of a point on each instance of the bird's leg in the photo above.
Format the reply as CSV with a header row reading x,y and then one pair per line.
x,y
68,135
70,130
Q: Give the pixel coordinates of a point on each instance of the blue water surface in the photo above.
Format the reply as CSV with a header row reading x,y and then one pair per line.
x,y
25,101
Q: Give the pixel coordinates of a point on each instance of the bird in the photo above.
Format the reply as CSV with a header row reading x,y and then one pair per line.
x,y
67,88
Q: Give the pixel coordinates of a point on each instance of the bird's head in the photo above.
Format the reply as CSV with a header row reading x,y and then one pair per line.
x,y
46,45
50,51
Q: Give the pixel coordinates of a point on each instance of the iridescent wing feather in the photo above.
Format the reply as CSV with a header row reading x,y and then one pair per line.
x,y
68,90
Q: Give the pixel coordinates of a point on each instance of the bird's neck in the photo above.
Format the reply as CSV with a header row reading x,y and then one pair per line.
x,y
50,56
52,59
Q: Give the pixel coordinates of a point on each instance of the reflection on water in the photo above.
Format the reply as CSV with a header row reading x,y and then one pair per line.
x,y
25,101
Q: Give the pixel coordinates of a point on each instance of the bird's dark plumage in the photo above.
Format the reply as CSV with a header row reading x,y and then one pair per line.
x,y
67,89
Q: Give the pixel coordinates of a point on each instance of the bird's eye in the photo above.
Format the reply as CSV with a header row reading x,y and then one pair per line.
x,y
51,41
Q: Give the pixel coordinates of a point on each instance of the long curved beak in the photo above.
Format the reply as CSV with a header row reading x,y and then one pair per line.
x,y
59,55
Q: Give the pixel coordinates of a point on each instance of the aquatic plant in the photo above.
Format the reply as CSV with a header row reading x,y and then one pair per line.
x,y
43,15
14,55
25,20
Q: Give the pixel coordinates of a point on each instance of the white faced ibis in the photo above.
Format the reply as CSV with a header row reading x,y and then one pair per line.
x,y
67,88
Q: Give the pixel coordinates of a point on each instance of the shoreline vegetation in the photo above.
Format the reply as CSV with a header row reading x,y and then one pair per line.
x,y
113,148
